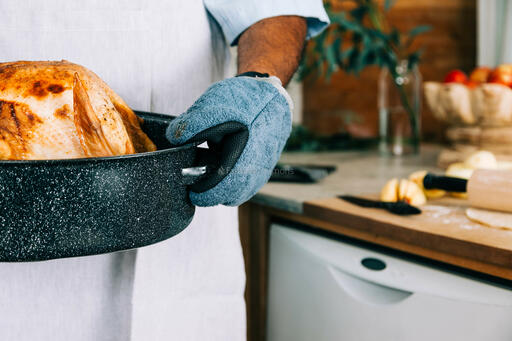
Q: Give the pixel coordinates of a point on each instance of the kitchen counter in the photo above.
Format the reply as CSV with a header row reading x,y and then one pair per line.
x,y
481,251
356,173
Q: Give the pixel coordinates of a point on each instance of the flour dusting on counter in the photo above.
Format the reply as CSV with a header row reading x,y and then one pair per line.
x,y
449,215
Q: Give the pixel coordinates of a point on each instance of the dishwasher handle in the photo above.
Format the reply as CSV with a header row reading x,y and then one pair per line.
x,y
366,291
397,280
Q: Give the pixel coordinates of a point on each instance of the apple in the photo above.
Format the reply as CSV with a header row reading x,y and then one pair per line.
x,y
480,74
471,84
455,76
501,75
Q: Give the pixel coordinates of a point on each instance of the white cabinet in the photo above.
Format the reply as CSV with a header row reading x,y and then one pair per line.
x,y
321,289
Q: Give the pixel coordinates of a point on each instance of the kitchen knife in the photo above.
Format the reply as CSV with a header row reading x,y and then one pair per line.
x,y
486,188
447,183
399,207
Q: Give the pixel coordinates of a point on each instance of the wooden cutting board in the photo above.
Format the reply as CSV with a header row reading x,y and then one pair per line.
x,y
441,232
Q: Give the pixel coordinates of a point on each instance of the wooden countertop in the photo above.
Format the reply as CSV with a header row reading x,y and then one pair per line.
x,y
441,232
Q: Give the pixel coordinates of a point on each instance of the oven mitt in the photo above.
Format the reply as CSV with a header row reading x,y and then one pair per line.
x,y
246,122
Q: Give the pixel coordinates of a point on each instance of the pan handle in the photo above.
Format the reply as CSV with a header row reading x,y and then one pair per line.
x,y
205,163
192,175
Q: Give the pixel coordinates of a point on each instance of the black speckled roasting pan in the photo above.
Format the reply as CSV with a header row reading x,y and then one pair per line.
x,y
65,208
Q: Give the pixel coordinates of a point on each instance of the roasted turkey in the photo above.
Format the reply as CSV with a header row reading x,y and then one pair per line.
x,y
61,110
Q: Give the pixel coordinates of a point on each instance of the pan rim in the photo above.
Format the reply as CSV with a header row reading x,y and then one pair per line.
x,y
98,159
158,116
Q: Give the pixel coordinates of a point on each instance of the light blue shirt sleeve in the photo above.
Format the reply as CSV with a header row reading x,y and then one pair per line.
x,y
235,16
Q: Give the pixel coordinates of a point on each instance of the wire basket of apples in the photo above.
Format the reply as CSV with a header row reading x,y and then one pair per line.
x,y
482,99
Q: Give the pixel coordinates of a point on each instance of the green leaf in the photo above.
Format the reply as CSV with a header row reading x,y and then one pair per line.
x,y
419,30
307,65
343,57
320,43
388,4
414,32
354,64
353,26
376,34
388,58
320,68
327,6
394,36
337,51
359,12
367,41
331,58
378,60
337,17
414,58
357,37
368,58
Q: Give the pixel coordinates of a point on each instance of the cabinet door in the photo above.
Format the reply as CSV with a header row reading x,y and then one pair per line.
x,y
322,290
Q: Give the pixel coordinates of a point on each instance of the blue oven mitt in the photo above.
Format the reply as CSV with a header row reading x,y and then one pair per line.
x,y
246,122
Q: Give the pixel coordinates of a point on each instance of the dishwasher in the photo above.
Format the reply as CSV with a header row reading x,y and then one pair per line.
x,y
324,289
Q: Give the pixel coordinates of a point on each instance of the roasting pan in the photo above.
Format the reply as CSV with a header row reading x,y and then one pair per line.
x,y
66,208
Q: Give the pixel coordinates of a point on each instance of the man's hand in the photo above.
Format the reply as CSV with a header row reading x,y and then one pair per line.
x,y
246,121
273,46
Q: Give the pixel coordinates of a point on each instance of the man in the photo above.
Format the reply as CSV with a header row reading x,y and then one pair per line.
x,y
160,56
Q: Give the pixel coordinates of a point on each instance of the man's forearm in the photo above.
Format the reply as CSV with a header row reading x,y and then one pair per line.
x,y
273,46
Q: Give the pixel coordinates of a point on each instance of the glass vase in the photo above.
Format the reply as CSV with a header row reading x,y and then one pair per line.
x,y
399,105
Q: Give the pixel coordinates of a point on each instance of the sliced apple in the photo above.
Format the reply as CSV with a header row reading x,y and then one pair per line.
x,y
417,178
390,191
411,193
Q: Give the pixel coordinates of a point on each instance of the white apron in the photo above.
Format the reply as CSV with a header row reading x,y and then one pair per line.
x,y
159,56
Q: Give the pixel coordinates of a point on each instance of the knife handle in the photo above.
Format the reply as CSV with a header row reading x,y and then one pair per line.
x,y
448,183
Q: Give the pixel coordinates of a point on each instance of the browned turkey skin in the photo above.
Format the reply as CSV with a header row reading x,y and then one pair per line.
x,y
61,110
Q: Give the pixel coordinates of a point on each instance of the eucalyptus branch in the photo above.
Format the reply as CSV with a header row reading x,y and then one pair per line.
x,y
359,38
362,37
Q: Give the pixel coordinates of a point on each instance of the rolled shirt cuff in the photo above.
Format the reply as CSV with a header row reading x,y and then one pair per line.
x,y
235,16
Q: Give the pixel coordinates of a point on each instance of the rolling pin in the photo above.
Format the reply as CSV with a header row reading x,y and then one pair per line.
x,y
486,188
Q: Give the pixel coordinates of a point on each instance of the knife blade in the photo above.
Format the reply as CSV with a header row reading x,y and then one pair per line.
x,y
399,207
